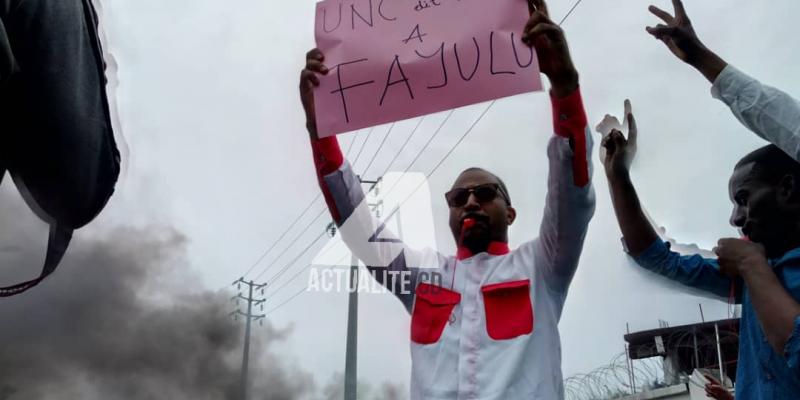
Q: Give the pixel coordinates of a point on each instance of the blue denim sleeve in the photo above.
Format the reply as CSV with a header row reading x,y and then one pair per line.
x,y
792,349
693,270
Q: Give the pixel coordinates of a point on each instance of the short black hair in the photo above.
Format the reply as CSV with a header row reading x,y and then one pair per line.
x,y
771,164
499,181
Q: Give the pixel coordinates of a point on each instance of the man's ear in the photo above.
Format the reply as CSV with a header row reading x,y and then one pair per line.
x,y
787,189
511,215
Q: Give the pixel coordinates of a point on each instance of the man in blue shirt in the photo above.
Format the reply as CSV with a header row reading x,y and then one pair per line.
x,y
761,271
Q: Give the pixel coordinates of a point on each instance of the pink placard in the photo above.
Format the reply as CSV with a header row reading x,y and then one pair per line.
x,y
391,60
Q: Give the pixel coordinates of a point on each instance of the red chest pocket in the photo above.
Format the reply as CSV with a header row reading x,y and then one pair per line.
x,y
432,309
508,309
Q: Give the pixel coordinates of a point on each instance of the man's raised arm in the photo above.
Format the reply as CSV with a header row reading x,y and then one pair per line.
x,y
768,112
570,201
641,240
570,197
345,198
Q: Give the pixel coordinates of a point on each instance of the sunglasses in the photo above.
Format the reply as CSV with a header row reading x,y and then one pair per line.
x,y
483,193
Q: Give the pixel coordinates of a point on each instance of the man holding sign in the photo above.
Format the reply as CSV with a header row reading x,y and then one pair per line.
x,y
489,328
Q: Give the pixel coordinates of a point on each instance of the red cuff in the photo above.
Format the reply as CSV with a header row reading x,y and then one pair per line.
x,y
569,120
327,155
327,159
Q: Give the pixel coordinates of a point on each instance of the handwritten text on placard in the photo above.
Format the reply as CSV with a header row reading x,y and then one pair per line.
x,y
395,59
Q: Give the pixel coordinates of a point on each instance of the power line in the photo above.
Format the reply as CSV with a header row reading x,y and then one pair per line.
x,y
273,292
298,293
430,140
310,224
570,12
374,156
290,263
275,277
408,139
321,212
462,138
289,228
363,145
285,284
299,272
264,254
352,142
447,155
285,301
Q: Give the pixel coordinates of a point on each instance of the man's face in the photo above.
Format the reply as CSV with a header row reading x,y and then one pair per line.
x,y
761,209
492,218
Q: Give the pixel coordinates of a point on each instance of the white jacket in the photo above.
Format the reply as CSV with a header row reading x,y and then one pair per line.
x,y
768,112
495,334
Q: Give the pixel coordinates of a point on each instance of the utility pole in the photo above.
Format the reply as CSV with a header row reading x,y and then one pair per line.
x,y
249,318
719,357
629,362
702,317
696,354
351,356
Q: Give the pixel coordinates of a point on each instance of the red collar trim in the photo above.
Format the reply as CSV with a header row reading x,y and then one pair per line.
x,y
495,249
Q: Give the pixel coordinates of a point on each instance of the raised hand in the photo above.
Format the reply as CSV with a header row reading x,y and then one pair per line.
x,y
308,81
715,390
552,50
617,152
678,34
736,256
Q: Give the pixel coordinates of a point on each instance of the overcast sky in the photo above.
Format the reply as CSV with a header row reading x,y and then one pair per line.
x,y
218,151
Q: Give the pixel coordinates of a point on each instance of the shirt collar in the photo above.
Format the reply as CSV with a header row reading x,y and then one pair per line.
x,y
495,249
791,255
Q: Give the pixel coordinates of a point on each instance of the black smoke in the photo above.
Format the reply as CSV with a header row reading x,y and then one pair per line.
x,y
334,390
122,318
